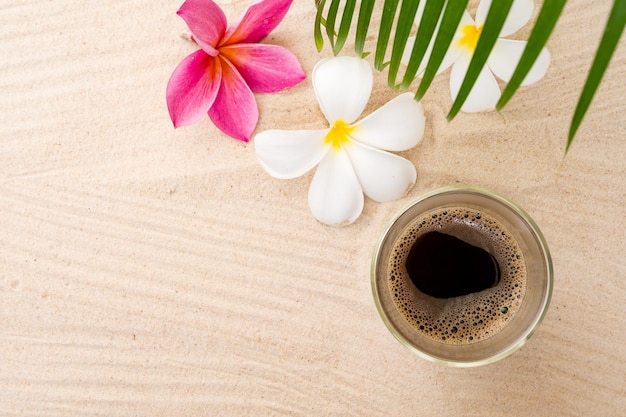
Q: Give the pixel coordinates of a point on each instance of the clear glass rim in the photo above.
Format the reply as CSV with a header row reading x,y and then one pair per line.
x,y
506,202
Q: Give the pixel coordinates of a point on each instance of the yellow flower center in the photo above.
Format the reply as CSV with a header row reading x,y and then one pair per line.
x,y
471,33
338,134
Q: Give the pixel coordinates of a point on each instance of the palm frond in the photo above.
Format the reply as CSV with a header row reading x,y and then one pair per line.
x,y
365,16
338,38
449,22
496,16
427,25
612,34
548,16
389,14
317,28
439,22
408,10
330,22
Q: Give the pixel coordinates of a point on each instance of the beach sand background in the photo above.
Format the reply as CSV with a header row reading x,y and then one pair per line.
x,y
148,271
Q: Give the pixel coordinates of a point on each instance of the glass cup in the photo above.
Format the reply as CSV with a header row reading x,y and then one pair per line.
x,y
533,306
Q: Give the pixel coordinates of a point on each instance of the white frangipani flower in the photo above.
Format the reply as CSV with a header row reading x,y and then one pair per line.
x,y
352,156
501,62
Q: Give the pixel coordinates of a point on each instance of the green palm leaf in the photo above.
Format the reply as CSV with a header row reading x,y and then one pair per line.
x,y
427,26
317,28
330,22
548,16
496,16
449,22
405,21
389,14
365,16
344,27
396,23
612,34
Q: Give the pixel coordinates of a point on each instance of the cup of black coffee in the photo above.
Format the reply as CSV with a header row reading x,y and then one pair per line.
x,y
462,276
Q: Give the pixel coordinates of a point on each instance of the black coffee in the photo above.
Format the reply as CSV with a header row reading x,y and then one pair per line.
x,y
444,266
457,275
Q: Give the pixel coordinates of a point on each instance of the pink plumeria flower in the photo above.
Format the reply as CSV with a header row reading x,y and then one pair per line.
x,y
219,79
351,155
501,62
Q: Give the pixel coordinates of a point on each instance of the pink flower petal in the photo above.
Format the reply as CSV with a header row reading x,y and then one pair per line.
x,y
257,22
206,21
234,111
192,88
266,68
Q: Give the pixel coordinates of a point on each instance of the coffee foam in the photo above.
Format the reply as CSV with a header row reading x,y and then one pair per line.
x,y
468,318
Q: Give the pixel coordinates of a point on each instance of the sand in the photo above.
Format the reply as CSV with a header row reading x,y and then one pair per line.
x,y
148,271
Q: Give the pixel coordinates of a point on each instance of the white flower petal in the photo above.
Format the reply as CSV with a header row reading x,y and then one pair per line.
x,y
485,93
451,56
383,175
343,86
519,15
335,196
507,53
288,154
396,126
